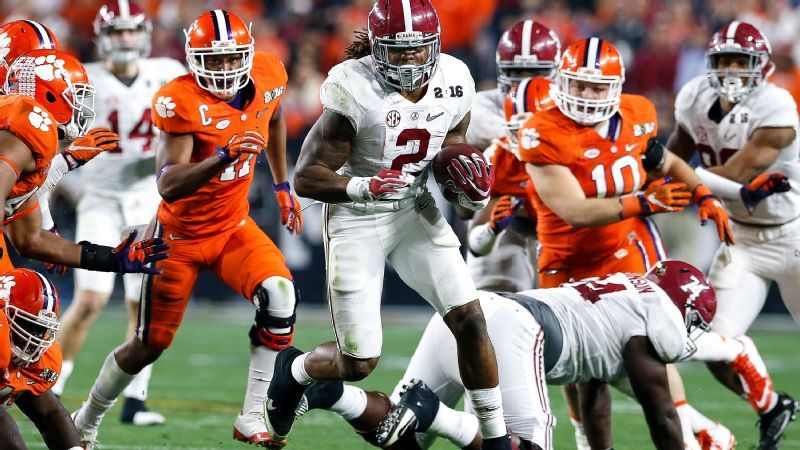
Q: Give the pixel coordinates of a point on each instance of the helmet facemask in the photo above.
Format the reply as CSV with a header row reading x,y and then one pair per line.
x,y
405,77
695,327
31,335
583,110
736,84
222,83
117,50
80,97
512,126
510,74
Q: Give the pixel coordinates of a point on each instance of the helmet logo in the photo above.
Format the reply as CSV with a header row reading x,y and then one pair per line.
x,y
165,107
694,288
6,283
49,67
5,45
39,119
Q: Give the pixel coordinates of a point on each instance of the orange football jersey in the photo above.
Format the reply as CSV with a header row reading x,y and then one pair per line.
x,y
183,107
510,176
37,378
24,118
603,167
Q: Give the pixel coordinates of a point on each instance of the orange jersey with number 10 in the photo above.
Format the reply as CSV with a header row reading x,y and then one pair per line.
x,y
183,107
604,167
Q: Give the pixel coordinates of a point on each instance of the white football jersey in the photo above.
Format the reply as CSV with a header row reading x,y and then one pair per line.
x,y
599,316
767,107
126,110
488,118
392,132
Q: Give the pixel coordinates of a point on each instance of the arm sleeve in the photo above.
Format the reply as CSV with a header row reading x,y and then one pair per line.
x,y
723,187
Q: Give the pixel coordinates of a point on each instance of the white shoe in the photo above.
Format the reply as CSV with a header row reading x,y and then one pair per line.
x,y
716,438
147,418
252,429
88,435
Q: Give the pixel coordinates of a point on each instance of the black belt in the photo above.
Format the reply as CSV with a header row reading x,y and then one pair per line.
x,y
553,335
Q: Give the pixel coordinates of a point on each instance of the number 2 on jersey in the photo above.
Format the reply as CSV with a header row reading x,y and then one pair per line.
x,y
422,137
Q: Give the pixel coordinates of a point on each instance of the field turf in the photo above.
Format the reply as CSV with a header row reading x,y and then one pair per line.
x,y
199,383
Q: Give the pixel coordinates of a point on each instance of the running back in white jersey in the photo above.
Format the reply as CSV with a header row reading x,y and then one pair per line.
x,y
126,110
488,118
768,106
599,316
392,132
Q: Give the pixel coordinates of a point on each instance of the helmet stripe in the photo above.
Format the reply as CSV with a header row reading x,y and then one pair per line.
x,y
526,37
407,15
522,95
48,293
124,8
228,24
731,34
221,32
41,32
592,55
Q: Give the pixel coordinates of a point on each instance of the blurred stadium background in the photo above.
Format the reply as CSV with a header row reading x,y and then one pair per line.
x,y
662,42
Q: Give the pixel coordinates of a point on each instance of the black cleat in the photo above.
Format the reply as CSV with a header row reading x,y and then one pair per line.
x,y
283,396
415,412
500,443
321,395
772,424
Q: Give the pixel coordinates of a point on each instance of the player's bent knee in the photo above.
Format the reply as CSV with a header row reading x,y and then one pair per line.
x,y
134,355
357,369
90,303
276,300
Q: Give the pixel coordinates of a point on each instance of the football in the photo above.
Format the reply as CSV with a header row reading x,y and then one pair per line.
x,y
453,180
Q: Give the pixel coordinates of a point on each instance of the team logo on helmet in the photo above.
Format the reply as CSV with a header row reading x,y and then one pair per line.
x,y
5,45
49,68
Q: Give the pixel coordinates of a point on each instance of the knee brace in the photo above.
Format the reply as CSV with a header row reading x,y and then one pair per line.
x,y
276,300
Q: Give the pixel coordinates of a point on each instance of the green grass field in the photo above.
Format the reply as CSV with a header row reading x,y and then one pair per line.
x,y
199,383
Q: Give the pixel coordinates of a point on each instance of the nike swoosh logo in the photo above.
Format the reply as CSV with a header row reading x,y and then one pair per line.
x,y
630,147
429,117
728,137
270,406
766,396
30,382
174,237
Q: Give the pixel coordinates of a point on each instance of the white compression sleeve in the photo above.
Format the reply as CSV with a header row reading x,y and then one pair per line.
x,y
723,187
481,240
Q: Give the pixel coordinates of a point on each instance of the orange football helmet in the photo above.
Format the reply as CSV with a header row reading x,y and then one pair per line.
x,y
31,306
219,33
528,97
59,83
20,37
594,61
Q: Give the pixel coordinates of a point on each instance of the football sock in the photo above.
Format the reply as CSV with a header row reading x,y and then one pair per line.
x,y
109,384
581,441
686,425
698,421
299,370
66,371
713,347
488,407
351,404
262,363
457,427
139,385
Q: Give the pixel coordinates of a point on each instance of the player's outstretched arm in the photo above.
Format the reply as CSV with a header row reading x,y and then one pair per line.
x,y
648,377
276,157
759,153
52,420
324,151
10,436
595,409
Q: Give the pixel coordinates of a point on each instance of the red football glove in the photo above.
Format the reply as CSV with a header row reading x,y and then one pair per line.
x,y
51,267
472,175
762,186
84,148
290,208
709,207
503,213
249,142
661,196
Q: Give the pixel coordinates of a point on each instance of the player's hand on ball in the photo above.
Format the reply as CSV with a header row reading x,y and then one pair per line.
x,y
84,148
762,186
248,142
290,208
709,207
472,175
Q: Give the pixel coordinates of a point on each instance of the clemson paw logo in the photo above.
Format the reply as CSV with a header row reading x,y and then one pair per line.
x,y
529,138
39,119
165,107
5,45
49,68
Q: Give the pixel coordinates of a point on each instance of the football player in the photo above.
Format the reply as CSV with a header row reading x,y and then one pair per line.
x,y
30,360
501,238
388,110
745,130
214,122
49,98
526,49
588,159
119,188
621,329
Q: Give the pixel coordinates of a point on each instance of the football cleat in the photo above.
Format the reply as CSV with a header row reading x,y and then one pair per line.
x,y
135,412
754,376
415,412
717,437
283,396
772,424
88,437
320,395
250,428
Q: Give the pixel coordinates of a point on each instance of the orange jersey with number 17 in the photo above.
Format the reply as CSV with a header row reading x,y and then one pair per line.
x,y
604,166
183,107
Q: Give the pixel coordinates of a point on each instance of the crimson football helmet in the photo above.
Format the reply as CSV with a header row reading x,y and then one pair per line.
x,y
31,306
688,288
214,35
398,25
590,60
526,46
528,97
119,15
738,38
20,37
59,83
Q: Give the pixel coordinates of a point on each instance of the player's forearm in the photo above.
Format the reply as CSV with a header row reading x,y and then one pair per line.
x,y
723,187
589,212
321,183
52,420
58,168
276,150
595,405
679,170
665,428
181,180
43,245
738,173
10,436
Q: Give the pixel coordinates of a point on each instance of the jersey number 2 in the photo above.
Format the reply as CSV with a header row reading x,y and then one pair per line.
x,y
422,136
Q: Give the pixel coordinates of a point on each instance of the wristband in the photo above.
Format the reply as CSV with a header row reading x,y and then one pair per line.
x,y
358,189
224,156
701,193
97,257
281,187
481,240
632,206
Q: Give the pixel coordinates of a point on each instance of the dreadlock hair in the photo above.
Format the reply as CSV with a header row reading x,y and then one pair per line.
x,y
360,47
